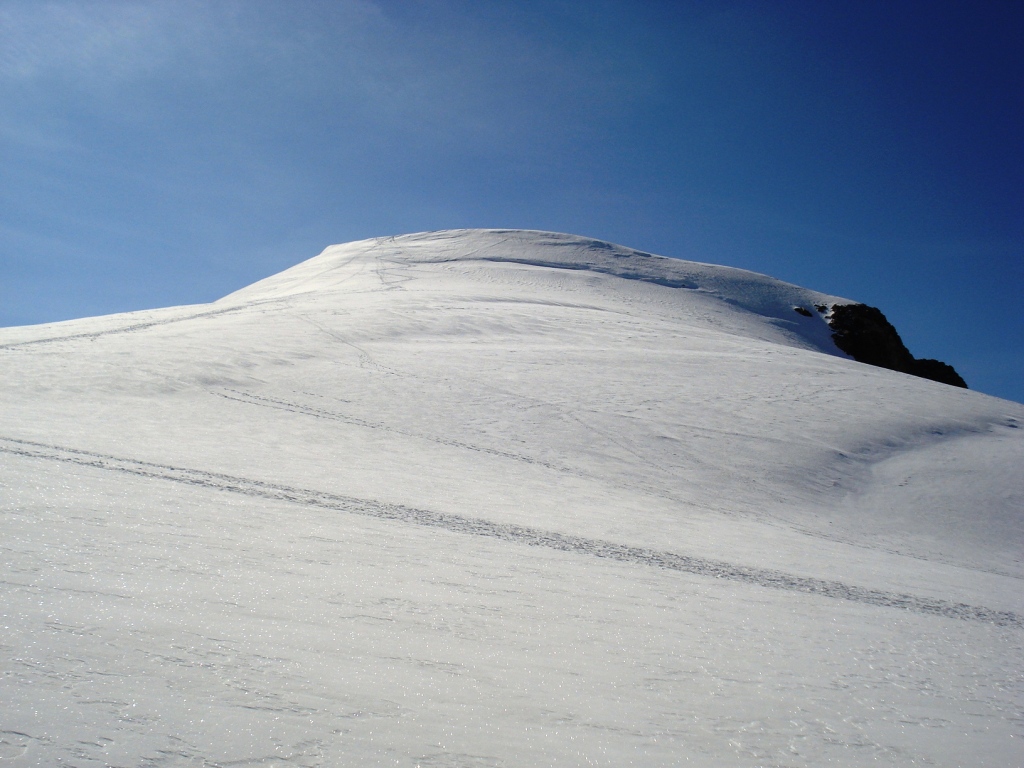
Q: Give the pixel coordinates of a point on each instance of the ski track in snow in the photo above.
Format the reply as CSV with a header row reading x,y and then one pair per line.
x,y
513,533
134,326
285,405
319,413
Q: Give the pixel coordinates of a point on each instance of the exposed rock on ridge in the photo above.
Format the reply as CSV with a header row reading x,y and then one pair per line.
x,y
863,333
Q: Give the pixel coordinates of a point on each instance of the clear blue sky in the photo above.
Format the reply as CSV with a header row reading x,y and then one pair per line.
x,y
159,153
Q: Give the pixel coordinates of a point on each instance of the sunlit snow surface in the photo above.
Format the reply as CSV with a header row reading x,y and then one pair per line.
x,y
488,498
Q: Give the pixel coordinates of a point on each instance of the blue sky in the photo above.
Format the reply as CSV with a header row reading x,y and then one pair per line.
x,y
160,153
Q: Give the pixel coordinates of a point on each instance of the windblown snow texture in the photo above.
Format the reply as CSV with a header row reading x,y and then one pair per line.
x,y
502,498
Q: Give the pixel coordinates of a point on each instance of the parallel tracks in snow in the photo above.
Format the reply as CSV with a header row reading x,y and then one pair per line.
x,y
515,534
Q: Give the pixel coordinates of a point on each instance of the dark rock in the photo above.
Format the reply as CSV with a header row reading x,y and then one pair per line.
x,y
803,311
935,370
864,334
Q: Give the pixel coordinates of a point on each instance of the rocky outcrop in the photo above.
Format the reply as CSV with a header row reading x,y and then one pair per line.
x,y
864,334
936,370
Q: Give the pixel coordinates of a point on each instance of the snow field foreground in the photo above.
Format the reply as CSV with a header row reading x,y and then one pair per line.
x,y
501,498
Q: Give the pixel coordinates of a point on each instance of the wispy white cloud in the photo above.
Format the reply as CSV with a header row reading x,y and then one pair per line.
x,y
103,39
449,69
117,40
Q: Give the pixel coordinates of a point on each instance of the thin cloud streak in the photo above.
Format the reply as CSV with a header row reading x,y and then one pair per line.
x,y
94,42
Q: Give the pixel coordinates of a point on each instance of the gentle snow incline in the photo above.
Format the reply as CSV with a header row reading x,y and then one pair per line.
x,y
512,533
501,498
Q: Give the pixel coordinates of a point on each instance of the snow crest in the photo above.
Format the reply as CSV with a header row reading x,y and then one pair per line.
x,y
501,498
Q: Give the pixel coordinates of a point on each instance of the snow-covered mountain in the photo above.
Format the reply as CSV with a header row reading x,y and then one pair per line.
x,y
501,498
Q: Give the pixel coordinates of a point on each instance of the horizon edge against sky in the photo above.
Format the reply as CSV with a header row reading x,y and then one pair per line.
x,y
157,154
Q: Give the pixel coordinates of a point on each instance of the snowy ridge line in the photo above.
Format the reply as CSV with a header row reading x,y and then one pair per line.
x,y
613,270
517,534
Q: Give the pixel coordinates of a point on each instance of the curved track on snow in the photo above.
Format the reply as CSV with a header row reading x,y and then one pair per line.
x,y
516,534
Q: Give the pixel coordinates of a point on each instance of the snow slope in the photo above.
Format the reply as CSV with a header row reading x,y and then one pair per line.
x,y
501,498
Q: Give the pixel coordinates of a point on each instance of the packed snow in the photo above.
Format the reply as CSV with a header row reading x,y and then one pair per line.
x,y
501,498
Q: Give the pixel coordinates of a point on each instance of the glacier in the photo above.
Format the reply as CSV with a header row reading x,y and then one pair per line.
x,y
501,498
